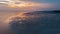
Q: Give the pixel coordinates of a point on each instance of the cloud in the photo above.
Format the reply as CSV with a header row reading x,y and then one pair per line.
x,y
28,6
25,6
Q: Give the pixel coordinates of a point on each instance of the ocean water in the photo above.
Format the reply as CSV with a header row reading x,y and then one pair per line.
x,y
37,23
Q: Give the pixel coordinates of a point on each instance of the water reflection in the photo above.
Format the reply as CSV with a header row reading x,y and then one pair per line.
x,y
35,23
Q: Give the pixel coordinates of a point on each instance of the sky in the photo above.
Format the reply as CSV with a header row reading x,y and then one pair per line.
x,y
29,5
10,8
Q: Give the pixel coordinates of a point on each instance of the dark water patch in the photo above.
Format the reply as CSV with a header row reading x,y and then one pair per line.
x,y
49,23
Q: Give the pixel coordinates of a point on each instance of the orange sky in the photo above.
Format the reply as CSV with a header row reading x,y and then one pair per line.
x,y
25,5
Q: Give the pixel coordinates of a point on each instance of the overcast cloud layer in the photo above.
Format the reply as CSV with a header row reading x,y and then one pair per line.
x,y
37,5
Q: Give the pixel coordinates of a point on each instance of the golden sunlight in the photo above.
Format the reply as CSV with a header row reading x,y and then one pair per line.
x,y
21,15
26,5
21,4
